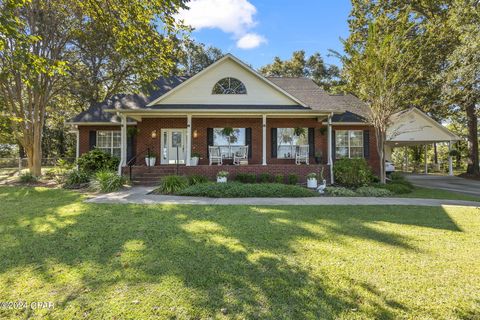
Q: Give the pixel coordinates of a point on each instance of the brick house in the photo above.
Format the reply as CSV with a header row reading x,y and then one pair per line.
x,y
183,116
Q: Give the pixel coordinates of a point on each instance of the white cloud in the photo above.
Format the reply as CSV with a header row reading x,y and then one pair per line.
x,y
230,16
250,41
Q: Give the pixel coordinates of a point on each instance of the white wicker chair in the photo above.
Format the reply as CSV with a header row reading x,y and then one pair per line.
x,y
240,154
302,155
214,155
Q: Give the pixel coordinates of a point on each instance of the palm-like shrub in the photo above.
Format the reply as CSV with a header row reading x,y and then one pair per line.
x,y
107,181
172,184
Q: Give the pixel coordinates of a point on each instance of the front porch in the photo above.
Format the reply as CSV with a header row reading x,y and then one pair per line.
x,y
151,175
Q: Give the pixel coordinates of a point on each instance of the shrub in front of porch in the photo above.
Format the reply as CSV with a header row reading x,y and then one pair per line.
x,y
352,173
96,160
241,190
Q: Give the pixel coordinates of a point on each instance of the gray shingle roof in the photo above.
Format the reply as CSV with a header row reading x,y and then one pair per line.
x,y
304,89
96,112
307,91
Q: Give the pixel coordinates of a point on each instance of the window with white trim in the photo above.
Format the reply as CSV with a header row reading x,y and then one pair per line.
x,y
229,86
109,142
348,144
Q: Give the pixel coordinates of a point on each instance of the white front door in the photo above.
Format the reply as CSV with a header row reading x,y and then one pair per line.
x,y
173,146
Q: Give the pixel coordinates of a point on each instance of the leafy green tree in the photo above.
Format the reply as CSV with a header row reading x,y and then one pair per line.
x,y
42,42
379,70
462,72
300,66
196,56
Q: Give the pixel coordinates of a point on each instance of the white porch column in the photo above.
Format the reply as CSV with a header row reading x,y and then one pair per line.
x,y
189,139
264,140
426,162
123,141
330,144
450,161
77,148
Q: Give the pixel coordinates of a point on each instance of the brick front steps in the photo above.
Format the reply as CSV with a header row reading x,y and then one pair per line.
x,y
148,176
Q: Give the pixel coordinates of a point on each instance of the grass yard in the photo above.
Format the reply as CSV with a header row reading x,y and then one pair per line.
x,y
427,193
201,262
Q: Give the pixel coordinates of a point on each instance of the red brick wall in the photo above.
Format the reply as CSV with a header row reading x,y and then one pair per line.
x,y
199,144
211,171
146,126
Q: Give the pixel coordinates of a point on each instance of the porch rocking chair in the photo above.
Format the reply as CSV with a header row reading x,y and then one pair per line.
x,y
214,155
302,155
241,154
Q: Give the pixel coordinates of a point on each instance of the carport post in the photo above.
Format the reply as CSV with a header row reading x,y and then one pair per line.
x,y
450,161
426,163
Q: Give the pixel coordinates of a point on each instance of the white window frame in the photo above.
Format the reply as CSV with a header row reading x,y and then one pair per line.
x,y
349,144
111,148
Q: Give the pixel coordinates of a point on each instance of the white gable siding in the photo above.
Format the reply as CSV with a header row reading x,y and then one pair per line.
x,y
413,127
199,90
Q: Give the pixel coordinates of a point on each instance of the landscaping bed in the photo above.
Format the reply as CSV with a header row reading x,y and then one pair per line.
x,y
244,190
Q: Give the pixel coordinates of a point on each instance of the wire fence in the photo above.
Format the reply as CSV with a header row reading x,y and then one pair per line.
x,y
21,163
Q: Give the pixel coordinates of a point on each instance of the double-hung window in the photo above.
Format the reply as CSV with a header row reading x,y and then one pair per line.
x,y
288,139
348,144
109,142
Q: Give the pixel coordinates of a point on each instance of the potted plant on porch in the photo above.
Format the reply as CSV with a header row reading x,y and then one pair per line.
x,y
195,157
312,180
222,176
150,158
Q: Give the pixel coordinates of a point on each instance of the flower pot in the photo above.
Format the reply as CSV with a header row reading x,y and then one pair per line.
x,y
318,160
312,183
221,179
194,161
150,161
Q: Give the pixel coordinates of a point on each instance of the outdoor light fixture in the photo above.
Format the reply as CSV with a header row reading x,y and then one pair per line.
x,y
154,134
195,133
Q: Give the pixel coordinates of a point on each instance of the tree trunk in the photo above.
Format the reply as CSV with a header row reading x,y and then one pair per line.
x,y
472,123
435,154
381,137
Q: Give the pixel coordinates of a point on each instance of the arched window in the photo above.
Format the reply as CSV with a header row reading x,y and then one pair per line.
x,y
229,86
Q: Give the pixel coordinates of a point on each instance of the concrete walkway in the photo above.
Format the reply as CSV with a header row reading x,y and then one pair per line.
x,y
139,195
450,183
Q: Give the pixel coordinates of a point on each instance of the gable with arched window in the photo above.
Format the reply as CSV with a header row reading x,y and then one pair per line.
x,y
229,86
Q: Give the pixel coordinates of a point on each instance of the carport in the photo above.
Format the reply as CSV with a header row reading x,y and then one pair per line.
x,y
412,127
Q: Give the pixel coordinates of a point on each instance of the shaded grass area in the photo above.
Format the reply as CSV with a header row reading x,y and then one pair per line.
x,y
428,193
145,262
246,190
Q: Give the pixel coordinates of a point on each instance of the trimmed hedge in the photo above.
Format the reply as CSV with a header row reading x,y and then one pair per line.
x,y
373,192
240,190
246,177
292,179
352,173
340,192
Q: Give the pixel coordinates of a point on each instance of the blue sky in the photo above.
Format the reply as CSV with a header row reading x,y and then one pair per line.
x,y
258,30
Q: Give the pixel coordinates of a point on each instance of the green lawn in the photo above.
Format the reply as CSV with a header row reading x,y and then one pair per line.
x,y
201,262
428,193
